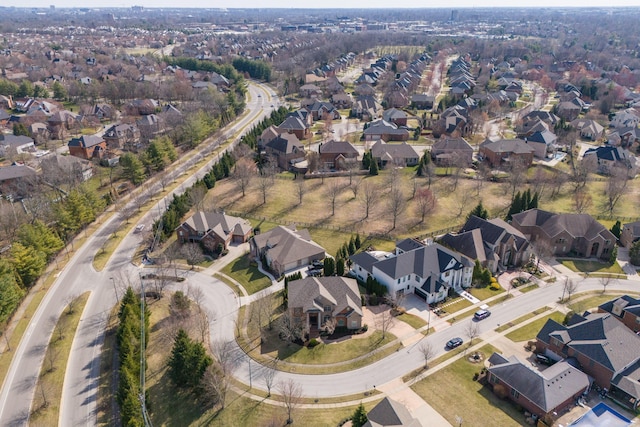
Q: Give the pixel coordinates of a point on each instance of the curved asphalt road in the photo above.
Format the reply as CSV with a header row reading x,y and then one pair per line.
x,y
78,406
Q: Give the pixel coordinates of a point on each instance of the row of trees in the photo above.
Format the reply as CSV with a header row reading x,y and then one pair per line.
x,y
255,69
129,347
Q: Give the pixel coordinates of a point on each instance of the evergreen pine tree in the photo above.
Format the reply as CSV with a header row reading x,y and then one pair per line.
x,y
373,169
357,242
534,201
359,417
616,229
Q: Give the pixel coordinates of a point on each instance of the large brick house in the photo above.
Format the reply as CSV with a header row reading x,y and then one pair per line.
x,y
495,243
337,155
603,347
626,308
507,150
285,149
566,234
630,233
212,229
88,147
313,301
540,393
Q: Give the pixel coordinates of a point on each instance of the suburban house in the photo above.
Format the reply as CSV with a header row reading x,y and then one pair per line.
x,y
568,110
623,119
320,110
16,180
395,116
626,309
543,143
285,149
422,101
365,107
390,413
507,150
87,147
542,393
494,243
566,234
623,137
400,155
451,151
122,136
313,301
303,114
150,125
531,126
267,135
430,271
15,144
588,129
546,116
607,158
382,129
603,347
212,229
630,233
337,155
284,249
296,126
57,168
341,100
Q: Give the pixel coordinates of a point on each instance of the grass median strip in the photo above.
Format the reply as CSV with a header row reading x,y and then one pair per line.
x,y
521,319
46,403
529,332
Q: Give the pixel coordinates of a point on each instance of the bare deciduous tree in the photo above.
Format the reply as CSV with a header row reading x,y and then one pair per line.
x,y
333,191
428,352
605,281
569,288
384,322
369,196
471,331
269,372
582,201
52,355
192,252
291,395
425,201
243,173
301,189
290,329
265,184
197,194
396,204
615,189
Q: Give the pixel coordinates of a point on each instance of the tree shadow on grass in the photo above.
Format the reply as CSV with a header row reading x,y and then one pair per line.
x,y
504,406
172,406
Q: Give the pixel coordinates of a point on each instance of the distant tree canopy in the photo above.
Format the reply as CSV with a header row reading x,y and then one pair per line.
x,y
193,64
255,69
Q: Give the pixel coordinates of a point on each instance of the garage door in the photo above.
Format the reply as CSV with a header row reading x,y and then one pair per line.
x,y
419,292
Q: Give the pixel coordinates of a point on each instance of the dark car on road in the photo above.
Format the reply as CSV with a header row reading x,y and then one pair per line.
x,y
454,342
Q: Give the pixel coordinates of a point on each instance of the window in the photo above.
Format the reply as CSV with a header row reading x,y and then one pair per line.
x,y
340,322
605,251
494,379
561,240
638,320
447,274
407,287
325,319
327,308
515,393
354,323
398,280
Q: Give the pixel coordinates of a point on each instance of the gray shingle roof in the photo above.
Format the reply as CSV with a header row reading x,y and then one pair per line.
x,y
340,291
285,245
205,221
390,413
547,389
424,262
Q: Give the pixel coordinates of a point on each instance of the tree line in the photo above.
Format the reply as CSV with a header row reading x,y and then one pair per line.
x,y
255,69
129,347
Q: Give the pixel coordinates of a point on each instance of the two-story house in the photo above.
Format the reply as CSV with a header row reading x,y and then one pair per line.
x,y
428,270
626,308
212,229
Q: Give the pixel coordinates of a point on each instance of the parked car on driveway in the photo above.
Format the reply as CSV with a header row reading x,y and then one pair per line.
x,y
454,342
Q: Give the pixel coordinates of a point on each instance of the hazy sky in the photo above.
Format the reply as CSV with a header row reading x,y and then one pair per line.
x,y
326,4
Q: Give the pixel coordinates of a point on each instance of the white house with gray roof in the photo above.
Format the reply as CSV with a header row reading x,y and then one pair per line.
x,y
428,270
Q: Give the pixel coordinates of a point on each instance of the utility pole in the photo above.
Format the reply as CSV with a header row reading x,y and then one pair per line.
x,y
115,290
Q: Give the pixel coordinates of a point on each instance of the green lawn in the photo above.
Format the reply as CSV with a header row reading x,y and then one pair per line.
x,y
247,274
588,303
521,319
591,266
460,304
484,293
453,393
412,320
528,288
529,332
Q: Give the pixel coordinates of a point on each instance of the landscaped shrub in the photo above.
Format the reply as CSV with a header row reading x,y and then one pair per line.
x,y
313,342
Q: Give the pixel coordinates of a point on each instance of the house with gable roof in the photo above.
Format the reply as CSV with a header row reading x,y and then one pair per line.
x,y
285,149
626,308
448,150
507,151
428,270
283,249
390,413
588,129
494,243
212,229
539,392
337,155
576,234
603,348
630,233
296,126
607,158
87,147
399,155
543,143
313,301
